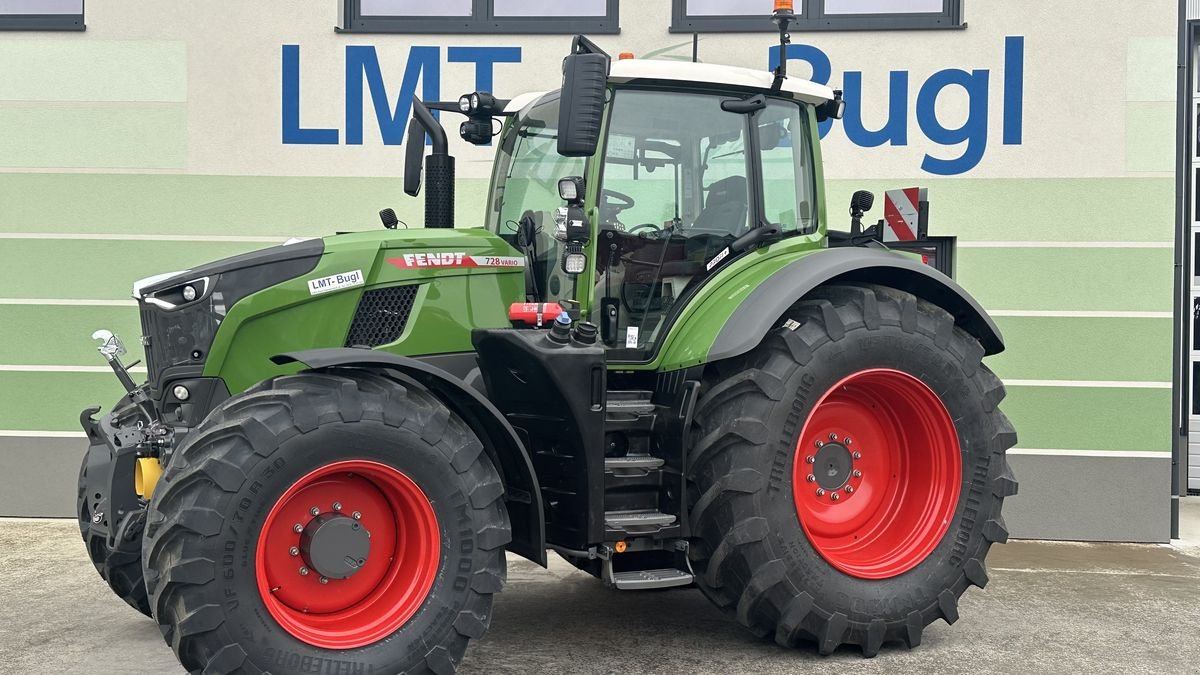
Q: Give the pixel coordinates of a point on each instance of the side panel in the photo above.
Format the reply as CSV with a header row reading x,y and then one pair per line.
x,y
291,317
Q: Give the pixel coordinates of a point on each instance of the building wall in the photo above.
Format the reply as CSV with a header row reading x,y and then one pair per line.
x,y
155,140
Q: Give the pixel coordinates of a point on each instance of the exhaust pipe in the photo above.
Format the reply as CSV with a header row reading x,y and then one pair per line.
x,y
439,194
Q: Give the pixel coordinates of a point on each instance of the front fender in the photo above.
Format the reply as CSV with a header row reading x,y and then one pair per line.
x,y
755,304
522,495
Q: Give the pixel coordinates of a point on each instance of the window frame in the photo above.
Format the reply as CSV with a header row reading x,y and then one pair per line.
x,y
481,21
45,22
812,18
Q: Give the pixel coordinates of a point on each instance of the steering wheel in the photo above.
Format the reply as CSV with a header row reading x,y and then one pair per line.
x,y
618,201
644,226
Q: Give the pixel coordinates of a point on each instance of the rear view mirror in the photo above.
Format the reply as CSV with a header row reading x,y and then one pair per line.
x,y
414,158
581,108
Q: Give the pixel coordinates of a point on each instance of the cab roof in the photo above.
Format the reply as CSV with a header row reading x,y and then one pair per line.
x,y
654,70
638,70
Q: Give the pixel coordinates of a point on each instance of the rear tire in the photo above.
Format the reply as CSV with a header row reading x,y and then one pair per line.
x,y
898,547
120,567
230,595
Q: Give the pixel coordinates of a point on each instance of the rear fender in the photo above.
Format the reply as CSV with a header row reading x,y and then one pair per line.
x,y
522,495
769,299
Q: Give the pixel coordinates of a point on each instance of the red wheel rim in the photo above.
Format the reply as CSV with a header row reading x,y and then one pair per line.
x,y
388,588
877,474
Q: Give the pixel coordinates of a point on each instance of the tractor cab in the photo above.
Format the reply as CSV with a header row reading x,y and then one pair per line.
x,y
626,220
661,201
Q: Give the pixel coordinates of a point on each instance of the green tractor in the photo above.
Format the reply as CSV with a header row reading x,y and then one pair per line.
x,y
653,360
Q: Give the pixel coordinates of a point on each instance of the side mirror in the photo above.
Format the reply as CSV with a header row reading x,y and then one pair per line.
x,y
414,159
581,106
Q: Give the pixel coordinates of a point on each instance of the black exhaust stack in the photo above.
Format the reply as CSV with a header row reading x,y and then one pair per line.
x,y
439,194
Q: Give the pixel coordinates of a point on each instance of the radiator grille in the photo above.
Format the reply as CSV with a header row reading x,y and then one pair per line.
x,y
381,316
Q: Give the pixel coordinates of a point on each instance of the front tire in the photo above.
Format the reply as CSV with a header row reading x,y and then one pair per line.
x,y
850,472
337,517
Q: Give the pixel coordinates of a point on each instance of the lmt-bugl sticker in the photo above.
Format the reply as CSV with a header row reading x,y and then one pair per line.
x,y
335,282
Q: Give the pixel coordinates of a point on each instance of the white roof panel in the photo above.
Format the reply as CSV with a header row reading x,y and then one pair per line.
x,y
630,70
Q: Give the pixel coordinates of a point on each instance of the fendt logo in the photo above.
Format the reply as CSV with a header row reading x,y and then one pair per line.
x,y
965,144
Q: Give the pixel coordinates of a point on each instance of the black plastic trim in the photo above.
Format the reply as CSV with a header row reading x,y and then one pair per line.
x,y
815,19
482,20
274,254
522,494
43,22
760,310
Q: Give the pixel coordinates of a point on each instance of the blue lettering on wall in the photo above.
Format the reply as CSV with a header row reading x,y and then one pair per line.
x,y
966,144
973,132
292,131
362,65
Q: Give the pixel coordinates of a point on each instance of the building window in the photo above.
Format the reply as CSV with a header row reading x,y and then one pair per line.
x,y
41,15
479,16
732,16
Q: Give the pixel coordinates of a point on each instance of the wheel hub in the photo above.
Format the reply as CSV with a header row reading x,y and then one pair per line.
x,y
335,546
832,466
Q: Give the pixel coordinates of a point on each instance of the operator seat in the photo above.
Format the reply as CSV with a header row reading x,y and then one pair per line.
x,y
725,207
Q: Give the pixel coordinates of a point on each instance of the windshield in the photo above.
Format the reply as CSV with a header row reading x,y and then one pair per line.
x,y
678,187
524,194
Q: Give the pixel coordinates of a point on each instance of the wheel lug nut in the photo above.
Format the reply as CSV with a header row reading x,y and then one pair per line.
x,y
857,455
297,528
834,496
856,473
832,436
810,478
356,515
820,492
293,551
315,511
820,444
849,489
324,580
810,459
848,441
337,506
303,571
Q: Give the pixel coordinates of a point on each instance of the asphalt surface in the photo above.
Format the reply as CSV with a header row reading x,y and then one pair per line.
x,y
1050,607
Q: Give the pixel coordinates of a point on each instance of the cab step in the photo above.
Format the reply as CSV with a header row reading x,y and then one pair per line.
x,y
637,522
632,465
641,580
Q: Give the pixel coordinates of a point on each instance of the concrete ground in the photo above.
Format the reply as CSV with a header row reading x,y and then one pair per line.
x,y
1050,607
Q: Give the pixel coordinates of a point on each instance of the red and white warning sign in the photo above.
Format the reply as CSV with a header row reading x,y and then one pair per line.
x,y
902,213
454,259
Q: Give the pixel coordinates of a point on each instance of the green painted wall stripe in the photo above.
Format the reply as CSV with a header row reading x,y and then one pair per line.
x,y
25,337
93,70
96,269
1083,349
66,135
1147,147
1150,68
1090,419
59,398
1045,417
1122,209
214,205
1068,279
1031,209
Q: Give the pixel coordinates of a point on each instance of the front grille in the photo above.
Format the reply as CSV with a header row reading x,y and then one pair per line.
x,y
381,316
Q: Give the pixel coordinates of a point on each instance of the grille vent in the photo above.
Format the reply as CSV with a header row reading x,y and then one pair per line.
x,y
381,316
